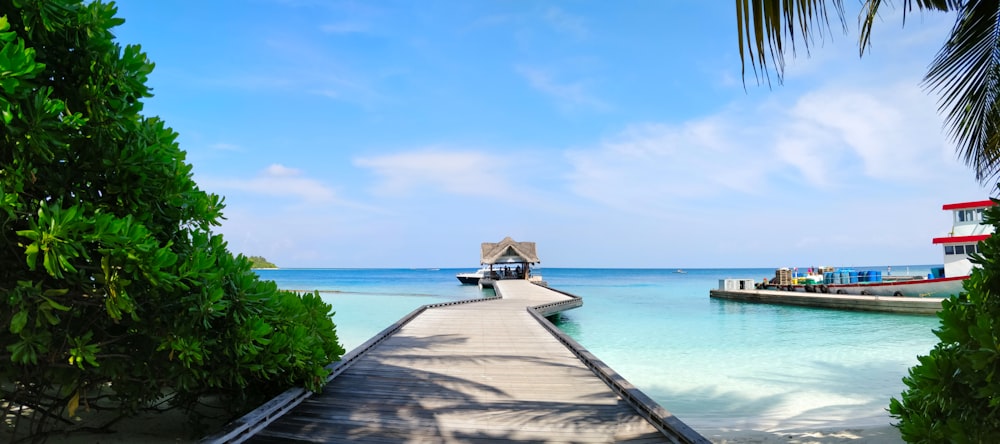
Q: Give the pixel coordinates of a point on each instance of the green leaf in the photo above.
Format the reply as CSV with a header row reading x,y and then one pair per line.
x,y
18,322
55,304
55,292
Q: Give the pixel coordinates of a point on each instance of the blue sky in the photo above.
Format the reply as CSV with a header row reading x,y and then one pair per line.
x,y
612,134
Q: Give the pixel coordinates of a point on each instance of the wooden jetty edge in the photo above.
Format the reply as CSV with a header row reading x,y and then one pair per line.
x,y
886,304
492,369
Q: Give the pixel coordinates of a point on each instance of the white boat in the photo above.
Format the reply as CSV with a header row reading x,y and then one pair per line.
x,y
966,232
927,287
472,278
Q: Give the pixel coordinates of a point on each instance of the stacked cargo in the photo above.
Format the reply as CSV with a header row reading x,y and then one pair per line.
x,y
851,276
783,276
870,276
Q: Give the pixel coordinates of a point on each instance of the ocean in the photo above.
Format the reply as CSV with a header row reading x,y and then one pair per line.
x,y
717,365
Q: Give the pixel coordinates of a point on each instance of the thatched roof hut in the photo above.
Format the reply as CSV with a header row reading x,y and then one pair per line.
x,y
508,251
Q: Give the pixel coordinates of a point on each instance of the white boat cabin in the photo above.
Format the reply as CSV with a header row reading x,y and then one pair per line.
x,y
966,232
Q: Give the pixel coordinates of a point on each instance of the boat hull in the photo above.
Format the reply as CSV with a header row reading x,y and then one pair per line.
x,y
473,277
926,288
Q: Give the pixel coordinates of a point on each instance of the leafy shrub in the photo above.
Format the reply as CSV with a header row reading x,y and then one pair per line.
x,y
115,293
953,393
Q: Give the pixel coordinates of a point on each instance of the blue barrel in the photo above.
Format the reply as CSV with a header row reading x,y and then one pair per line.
x,y
876,276
853,276
827,277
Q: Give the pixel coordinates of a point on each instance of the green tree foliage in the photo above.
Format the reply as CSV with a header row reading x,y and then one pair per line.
x,y
260,262
953,394
115,293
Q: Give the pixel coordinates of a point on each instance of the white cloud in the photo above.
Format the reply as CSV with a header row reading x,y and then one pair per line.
x,y
302,67
279,181
892,132
798,145
279,170
828,141
570,95
649,167
225,147
467,173
345,28
566,23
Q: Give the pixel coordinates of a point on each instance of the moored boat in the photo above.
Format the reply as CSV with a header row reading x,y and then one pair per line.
x,y
962,241
472,278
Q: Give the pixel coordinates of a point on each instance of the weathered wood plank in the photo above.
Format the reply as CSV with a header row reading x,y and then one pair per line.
x,y
426,430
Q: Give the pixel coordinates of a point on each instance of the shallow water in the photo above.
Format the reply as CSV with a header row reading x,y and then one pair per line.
x,y
714,364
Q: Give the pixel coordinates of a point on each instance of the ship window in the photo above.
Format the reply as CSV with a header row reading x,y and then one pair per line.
x,y
969,249
959,249
949,249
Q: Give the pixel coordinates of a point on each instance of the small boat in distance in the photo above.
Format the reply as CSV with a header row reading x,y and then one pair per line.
x,y
679,271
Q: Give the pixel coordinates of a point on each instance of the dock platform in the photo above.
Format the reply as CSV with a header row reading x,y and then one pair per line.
x,y
488,370
887,304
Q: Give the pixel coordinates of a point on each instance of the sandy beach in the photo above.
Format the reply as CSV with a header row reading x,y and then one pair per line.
x,y
878,435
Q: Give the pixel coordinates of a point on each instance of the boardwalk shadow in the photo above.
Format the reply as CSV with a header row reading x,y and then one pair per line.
x,y
413,389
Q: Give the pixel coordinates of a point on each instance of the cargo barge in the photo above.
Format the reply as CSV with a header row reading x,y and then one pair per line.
x,y
869,289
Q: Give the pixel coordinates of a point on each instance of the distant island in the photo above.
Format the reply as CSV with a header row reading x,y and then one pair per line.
x,y
260,262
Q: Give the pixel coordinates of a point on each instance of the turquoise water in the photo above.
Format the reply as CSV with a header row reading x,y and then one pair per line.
x,y
717,365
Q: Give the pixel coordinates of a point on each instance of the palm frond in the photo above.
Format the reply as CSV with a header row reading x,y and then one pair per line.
x,y
966,75
869,11
763,26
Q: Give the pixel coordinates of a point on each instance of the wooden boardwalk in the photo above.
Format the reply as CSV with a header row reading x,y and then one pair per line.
x,y
493,371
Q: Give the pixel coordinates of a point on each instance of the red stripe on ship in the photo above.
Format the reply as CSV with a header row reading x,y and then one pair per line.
x,y
960,239
891,284
964,205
